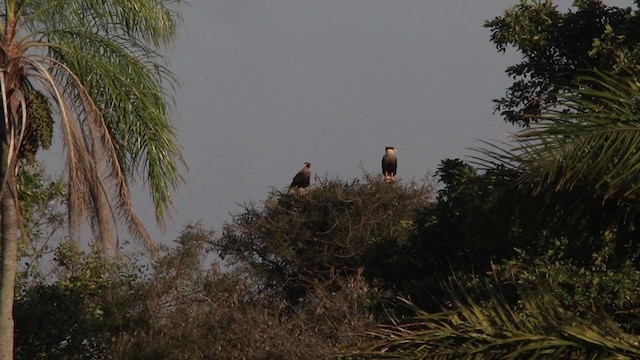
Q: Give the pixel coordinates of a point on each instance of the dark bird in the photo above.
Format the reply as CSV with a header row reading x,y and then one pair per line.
x,y
389,164
531,112
302,179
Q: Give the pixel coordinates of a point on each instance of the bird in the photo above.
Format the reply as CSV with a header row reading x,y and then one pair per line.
x,y
531,112
302,179
389,164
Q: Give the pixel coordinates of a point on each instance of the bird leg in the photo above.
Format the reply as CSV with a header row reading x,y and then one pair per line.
x,y
388,177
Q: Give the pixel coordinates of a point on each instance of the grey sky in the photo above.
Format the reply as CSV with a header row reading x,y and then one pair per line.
x,y
269,84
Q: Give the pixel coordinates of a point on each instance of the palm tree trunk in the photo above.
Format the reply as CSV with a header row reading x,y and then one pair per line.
x,y
9,258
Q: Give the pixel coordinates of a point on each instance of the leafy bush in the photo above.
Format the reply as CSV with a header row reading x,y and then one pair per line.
x,y
296,244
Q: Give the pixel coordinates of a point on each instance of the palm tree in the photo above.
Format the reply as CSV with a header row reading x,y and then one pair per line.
x,y
98,65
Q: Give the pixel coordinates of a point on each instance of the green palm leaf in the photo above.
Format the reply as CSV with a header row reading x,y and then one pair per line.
x,y
492,330
592,138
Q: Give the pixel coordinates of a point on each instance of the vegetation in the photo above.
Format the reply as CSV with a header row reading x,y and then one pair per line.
x,y
529,251
494,330
339,230
181,307
92,68
557,46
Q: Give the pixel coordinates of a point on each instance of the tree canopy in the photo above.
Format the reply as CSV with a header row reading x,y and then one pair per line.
x,y
557,47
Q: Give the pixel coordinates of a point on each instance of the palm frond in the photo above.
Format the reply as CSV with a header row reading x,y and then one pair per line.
x,y
154,22
132,99
592,137
492,330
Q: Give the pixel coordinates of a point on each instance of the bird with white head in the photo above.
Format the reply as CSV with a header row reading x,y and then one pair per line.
x,y
389,164
302,179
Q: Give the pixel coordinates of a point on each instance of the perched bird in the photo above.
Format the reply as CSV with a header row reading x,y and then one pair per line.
x,y
302,179
389,164
531,112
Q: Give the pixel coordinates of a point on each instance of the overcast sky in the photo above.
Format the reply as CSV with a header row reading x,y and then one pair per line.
x,y
266,85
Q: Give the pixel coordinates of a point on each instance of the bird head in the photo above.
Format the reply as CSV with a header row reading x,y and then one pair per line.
x,y
307,165
390,149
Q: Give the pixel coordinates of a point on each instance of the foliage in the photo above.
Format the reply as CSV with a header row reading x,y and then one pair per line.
x,y
77,315
580,288
180,307
569,182
558,46
321,304
463,232
339,229
589,138
571,188
578,169
493,330
44,217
